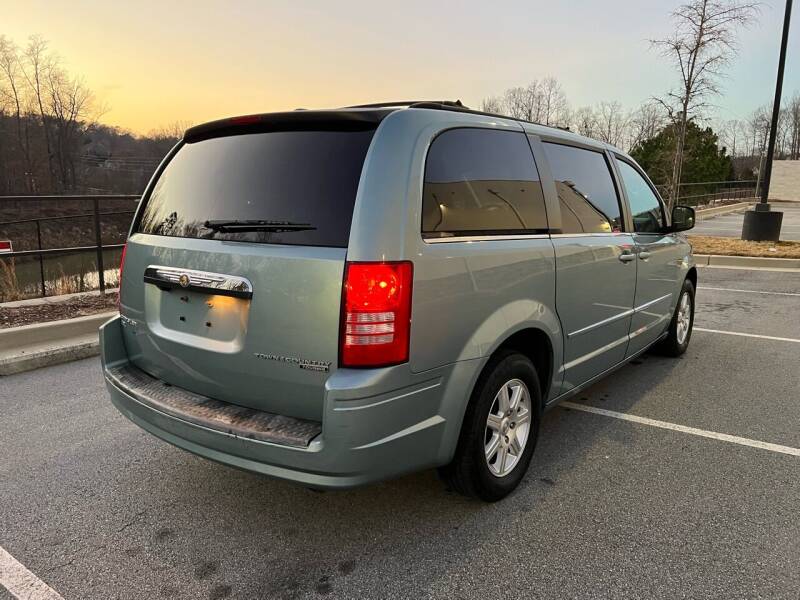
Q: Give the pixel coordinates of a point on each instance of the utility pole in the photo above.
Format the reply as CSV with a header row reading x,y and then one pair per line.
x,y
763,224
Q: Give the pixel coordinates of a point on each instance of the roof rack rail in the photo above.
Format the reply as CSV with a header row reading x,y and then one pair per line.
x,y
408,103
454,105
461,108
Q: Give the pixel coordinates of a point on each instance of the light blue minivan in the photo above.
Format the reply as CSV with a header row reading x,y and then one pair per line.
x,y
336,297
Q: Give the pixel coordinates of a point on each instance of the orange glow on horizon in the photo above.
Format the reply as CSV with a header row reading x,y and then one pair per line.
x,y
152,63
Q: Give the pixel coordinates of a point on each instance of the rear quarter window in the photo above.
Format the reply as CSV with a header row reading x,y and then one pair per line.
x,y
481,182
296,176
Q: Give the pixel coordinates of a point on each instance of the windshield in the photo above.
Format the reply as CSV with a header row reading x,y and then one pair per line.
x,y
302,177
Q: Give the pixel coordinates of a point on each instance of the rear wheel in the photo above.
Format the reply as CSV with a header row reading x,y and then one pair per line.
x,y
680,329
499,432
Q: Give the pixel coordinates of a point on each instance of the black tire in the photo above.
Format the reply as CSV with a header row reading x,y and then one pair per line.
x,y
672,344
469,472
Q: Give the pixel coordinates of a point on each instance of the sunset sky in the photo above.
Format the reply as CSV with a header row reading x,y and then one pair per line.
x,y
153,63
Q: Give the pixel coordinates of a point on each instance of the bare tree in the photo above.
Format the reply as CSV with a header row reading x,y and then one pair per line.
x,y
584,121
35,67
70,104
174,131
553,108
11,72
612,123
782,141
522,102
793,125
730,134
645,123
701,47
492,104
758,130
541,101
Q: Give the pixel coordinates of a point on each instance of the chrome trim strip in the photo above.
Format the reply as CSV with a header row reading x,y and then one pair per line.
x,y
649,326
598,234
485,238
531,236
202,281
594,353
579,388
384,401
641,307
421,426
618,316
607,321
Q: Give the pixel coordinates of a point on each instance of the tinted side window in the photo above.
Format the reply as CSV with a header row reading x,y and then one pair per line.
x,y
645,206
298,176
586,191
481,182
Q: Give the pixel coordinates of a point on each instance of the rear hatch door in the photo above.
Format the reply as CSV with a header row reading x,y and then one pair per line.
x,y
233,272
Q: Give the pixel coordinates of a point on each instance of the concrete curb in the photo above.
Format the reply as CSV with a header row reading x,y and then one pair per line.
x,y
54,299
43,344
722,210
747,262
48,357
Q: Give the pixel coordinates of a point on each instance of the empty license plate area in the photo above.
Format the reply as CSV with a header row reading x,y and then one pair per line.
x,y
214,321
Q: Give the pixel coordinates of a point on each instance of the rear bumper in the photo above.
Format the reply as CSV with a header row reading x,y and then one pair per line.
x,y
377,424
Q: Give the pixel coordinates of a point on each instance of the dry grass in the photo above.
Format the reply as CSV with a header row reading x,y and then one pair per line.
x,y
704,244
11,289
9,286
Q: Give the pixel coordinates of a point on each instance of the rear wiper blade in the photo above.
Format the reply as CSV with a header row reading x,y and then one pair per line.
x,y
257,225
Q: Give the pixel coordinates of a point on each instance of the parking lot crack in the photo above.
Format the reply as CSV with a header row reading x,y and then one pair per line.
x,y
77,554
133,521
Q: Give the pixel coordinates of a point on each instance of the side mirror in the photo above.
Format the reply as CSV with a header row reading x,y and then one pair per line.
x,y
682,218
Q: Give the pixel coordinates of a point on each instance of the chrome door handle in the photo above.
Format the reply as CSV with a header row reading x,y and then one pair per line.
x,y
644,254
627,256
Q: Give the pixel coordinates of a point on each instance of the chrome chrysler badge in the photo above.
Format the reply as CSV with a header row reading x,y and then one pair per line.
x,y
184,280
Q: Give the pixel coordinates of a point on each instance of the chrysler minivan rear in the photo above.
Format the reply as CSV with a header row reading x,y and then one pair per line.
x,y
242,325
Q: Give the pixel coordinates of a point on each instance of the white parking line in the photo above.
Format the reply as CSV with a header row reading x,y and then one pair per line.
x,y
752,335
724,437
769,269
716,289
784,230
23,584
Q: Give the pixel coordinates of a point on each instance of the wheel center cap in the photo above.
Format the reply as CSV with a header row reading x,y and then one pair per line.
x,y
504,426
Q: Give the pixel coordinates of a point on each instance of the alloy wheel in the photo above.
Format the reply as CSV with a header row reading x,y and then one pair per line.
x,y
507,427
684,317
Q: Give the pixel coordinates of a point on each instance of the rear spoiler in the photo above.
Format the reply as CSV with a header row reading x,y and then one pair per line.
x,y
298,120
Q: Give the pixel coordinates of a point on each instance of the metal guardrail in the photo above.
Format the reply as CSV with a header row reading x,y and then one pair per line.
x,y
722,190
717,190
98,246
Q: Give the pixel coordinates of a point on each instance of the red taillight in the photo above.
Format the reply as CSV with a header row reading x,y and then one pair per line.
x,y
376,313
121,268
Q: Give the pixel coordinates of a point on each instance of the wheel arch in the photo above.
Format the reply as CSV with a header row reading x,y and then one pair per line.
x,y
691,275
535,344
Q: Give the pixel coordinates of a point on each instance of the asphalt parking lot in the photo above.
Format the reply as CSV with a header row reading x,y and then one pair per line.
x,y
97,508
730,224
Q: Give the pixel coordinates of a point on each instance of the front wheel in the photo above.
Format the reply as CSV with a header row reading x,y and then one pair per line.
x,y
680,328
499,432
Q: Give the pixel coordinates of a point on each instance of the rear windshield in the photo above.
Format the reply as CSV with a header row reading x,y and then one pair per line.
x,y
296,177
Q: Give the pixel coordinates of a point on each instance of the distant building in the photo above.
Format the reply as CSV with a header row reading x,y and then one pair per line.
x,y
785,183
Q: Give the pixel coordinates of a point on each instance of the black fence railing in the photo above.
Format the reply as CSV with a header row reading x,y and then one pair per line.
x,y
712,193
40,227
27,222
